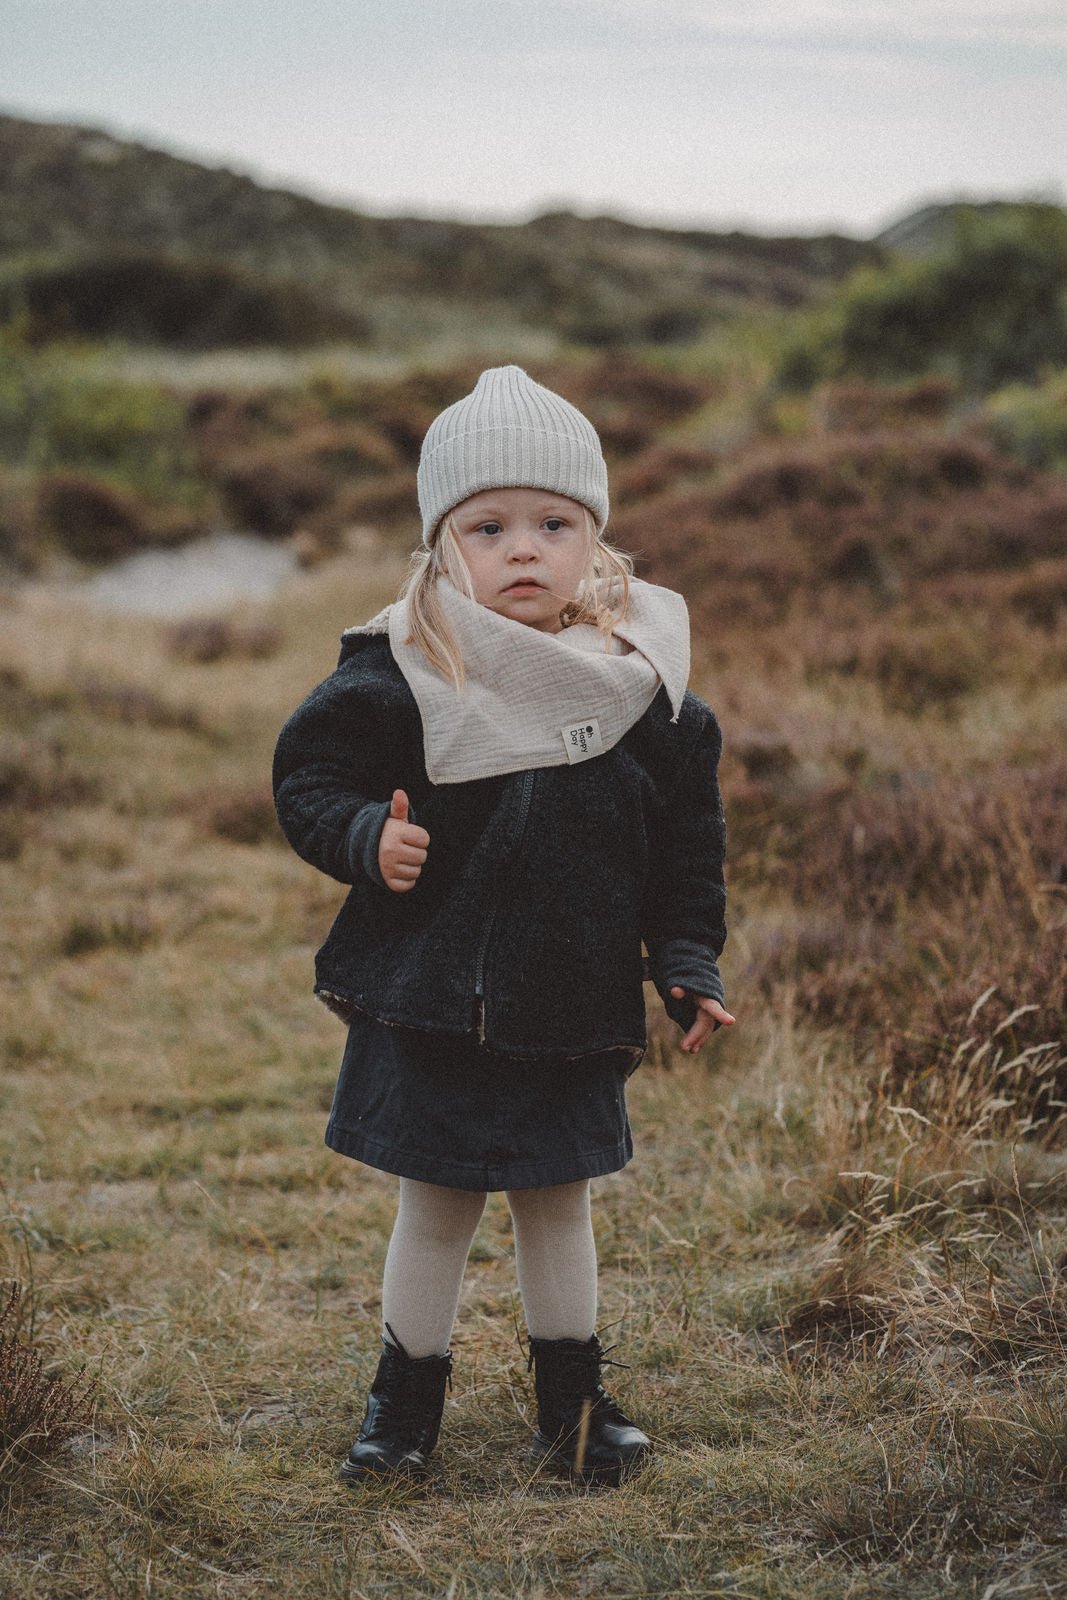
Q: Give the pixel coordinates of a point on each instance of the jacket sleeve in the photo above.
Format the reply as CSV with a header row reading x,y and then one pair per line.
x,y
329,780
685,908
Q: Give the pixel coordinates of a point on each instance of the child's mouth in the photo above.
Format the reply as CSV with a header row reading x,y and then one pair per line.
x,y
524,585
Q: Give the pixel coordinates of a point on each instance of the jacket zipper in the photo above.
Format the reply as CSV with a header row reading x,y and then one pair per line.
x,y
483,949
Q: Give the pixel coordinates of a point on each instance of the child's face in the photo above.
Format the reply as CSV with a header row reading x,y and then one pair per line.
x,y
526,551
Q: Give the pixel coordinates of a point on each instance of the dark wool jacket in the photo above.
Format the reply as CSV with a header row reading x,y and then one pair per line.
x,y
525,926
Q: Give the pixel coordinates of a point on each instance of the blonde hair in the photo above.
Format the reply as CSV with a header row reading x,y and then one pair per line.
x,y
602,600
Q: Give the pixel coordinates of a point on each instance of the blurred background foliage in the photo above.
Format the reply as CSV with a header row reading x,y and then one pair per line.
x,y
181,349
986,308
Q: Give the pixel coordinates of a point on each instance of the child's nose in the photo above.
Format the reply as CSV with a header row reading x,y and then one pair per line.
x,y
524,545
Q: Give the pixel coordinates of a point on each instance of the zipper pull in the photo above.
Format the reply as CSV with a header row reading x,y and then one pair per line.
x,y
479,1009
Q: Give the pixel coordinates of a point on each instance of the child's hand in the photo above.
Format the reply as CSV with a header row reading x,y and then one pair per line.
x,y
710,1014
402,847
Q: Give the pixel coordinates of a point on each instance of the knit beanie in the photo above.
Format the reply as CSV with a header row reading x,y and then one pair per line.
x,y
510,433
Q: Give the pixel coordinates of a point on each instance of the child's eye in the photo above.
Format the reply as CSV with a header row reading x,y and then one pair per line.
x,y
488,527
554,524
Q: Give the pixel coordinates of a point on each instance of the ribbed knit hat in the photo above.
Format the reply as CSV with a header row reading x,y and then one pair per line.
x,y
510,433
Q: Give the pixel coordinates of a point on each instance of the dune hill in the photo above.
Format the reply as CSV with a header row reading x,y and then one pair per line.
x,y
74,197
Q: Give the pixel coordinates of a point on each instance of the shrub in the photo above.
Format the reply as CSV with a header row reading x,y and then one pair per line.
x,y
911,837
1030,421
91,519
188,303
658,468
852,406
853,469
1038,594
273,486
243,816
86,934
134,703
38,1412
209,639
58,413
988,310
35,773
881,514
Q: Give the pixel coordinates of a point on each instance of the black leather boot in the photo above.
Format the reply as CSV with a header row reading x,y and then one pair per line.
x,y
403,1416
580,1429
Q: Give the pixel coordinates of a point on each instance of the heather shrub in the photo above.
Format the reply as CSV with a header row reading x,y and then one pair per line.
x,y
136,704
628,401
37,772
659,468
873,843
849,470
400,409
207,639
388,501
272,489
904,900
1038,594
835,973
241,815
97,520
881,515
39,1412
932,666
853,406
879,846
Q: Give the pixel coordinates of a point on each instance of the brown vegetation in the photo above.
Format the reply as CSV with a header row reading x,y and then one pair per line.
x,y
98,521
836,1265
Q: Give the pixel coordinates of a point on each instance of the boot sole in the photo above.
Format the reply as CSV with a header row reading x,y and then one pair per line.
x,y
353,1476
606,1477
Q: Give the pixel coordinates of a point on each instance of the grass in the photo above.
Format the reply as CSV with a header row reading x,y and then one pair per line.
x,y
836,1265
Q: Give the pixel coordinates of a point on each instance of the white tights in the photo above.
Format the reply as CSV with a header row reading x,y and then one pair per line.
x,y
555,1257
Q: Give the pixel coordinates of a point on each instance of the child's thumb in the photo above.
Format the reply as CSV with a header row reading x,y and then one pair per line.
x,y
398,806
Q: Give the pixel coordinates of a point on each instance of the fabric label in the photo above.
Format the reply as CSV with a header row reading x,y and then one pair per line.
x,y
582,740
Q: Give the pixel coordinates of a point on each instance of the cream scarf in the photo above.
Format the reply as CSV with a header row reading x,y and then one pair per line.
x,y
537,699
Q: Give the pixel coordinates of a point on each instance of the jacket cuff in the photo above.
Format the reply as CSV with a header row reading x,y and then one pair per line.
x,y
361,841
684,964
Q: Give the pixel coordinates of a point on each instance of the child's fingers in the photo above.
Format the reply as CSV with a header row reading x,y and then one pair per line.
x,y
700,1032
409,855
402,872
402,847
724,1018
710,1015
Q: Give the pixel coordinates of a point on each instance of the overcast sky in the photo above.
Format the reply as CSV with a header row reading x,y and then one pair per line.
x,y
774,114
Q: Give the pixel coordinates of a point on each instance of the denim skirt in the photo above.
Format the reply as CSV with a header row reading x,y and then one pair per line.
x,y
448,1110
